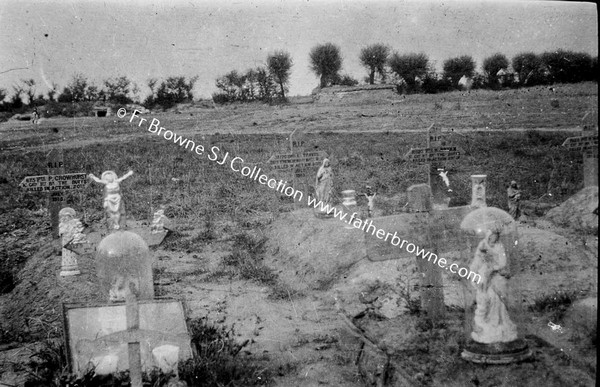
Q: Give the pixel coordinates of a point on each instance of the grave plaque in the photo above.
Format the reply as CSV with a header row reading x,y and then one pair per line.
x,y
55,183
98,335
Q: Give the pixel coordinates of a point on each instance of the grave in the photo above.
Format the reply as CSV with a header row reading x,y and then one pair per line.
x,y
126,335
587,143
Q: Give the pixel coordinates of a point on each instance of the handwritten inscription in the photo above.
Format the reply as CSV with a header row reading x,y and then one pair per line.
x,y
46,183
425,155
581,143
296,160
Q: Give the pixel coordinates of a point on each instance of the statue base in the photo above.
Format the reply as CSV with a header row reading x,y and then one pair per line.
x,y
323,214
496,353
66,273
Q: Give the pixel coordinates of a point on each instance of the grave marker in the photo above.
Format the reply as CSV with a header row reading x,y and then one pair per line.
x,y
435,155
99,334
55,183
298,162
56,200
478,183
124,265
588,144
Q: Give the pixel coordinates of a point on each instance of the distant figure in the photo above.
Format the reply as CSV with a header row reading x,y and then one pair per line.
x,y
514,198
35,116
324,183
370,195
113,205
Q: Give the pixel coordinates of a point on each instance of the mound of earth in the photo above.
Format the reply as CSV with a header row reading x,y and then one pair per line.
x,y
33,310
355,94
311,253
578,211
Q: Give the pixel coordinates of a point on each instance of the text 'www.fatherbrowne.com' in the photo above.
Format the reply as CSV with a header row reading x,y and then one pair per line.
x,y
237,165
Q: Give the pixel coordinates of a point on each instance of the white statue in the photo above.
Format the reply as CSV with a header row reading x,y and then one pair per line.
x,y
324,183
492,323
158,222
113,204
71,231
370,195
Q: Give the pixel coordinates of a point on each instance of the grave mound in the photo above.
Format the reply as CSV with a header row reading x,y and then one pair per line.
x,y
578,211
32,311
313,253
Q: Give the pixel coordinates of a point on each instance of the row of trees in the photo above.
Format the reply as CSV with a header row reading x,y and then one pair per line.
x,y
120,90
411,72
270,82
264,83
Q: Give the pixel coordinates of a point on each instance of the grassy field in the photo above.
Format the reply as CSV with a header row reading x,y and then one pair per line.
x,y
216,212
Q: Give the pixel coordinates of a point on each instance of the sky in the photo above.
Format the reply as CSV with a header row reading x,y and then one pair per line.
x,y
50,41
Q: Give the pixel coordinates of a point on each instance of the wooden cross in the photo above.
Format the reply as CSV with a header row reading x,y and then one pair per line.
x,y
87,347
435,154
588,144
297,161
55,183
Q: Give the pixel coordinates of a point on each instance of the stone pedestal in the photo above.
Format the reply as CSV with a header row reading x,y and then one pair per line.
x,y
419,198
496,353
478,191
349,203
69,264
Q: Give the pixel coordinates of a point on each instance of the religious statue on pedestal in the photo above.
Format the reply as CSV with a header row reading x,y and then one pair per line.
x,y
71,231
491,322
324,183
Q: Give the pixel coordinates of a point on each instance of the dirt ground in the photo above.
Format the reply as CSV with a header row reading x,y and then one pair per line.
x,y
299,327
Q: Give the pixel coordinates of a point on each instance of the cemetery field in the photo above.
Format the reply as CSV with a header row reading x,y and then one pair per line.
x,y
244,255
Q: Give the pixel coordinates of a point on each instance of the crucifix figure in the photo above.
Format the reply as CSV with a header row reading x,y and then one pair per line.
x,y
113,204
